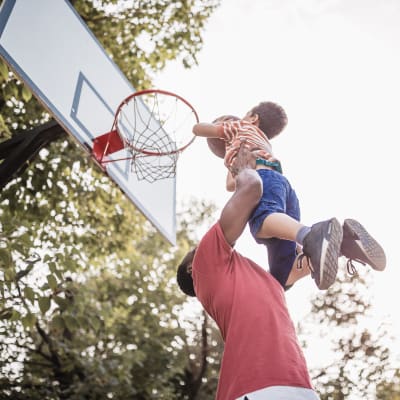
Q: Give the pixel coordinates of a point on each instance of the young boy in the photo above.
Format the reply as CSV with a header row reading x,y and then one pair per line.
x,y
275,222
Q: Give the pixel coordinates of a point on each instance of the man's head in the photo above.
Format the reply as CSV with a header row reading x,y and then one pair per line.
x,y
184,274
270,117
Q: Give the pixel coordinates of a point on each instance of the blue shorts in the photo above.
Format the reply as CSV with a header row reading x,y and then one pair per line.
x,y
278,197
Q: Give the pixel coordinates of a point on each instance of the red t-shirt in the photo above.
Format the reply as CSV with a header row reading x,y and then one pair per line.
x,y
249,307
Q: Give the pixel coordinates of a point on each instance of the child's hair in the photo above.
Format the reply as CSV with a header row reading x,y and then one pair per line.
x,y
272,118
183,277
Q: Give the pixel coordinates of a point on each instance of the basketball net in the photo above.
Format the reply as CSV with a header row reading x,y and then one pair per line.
x,y
154,126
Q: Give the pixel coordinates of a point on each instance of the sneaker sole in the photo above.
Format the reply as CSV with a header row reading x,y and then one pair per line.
x,y
366,248
330,255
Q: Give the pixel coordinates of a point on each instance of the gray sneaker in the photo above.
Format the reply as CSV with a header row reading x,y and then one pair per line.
x,y
321,246
358,245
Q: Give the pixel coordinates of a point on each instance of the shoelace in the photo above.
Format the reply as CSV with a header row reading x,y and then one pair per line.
x,y
300,262
351,269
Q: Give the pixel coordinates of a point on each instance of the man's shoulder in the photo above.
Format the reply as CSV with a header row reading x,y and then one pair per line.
x,y
214,243
214,235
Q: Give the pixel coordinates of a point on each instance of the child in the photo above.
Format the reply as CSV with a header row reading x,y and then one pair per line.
x,y
276,220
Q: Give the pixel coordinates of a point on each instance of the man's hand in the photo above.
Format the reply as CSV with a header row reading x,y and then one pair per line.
x,y
217,145
246,158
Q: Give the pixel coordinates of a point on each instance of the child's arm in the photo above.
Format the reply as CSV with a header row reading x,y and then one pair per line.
x,y
207,130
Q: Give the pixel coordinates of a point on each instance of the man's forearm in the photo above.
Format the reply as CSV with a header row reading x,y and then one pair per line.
x,y
247,194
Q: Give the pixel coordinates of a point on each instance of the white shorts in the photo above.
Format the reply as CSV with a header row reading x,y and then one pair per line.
x,y
281,393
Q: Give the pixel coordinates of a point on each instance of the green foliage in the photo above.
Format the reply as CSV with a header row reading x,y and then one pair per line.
x,y
89,302
389,389
89,306
18,109
153,32
359,359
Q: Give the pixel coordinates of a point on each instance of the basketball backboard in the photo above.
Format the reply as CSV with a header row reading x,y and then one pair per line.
x,y
54,53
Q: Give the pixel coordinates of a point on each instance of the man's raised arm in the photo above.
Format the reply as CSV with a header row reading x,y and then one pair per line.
x,y
247,194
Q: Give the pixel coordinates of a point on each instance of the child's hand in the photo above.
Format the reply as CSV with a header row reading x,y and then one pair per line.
x,y
245,159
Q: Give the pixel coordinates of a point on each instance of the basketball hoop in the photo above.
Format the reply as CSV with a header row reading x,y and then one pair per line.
x,y
154,126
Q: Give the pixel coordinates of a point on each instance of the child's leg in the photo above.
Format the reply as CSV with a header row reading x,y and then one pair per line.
x,y
280,225
273,218
277,196
281,256
278,212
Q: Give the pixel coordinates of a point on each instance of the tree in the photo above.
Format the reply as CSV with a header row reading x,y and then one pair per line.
x,y
141,37
86,319
360,357
152,32
389,389
88,303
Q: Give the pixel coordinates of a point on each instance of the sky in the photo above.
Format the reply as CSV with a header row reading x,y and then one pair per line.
x,y
334,66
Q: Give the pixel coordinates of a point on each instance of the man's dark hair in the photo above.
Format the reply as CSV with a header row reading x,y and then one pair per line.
x,y
184,278
272,118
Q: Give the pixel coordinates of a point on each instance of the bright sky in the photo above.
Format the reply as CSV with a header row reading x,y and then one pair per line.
x,y
334,66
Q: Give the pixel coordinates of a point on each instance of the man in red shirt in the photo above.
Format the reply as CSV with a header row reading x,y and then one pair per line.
x,y
262,357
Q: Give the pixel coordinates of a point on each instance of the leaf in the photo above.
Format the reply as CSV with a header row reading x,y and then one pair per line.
x,y
4,128
26,94
70,265
9,90
83,322
25,239
5,258
58,322
52,281
95,322
44,304
52,266
9,275
71,323
61,302
16,315
29,294
59,274
28,320
3,70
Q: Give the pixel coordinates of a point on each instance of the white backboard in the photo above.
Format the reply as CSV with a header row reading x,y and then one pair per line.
x,y
54,53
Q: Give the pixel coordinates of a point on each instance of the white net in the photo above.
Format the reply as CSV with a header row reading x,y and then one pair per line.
x,y
155,127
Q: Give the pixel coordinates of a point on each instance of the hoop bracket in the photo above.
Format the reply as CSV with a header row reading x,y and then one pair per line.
x,y
105,144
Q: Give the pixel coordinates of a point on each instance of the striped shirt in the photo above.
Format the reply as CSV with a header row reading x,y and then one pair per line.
x,y
234,132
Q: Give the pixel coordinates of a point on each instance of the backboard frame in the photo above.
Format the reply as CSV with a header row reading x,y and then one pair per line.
x,y
85,92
